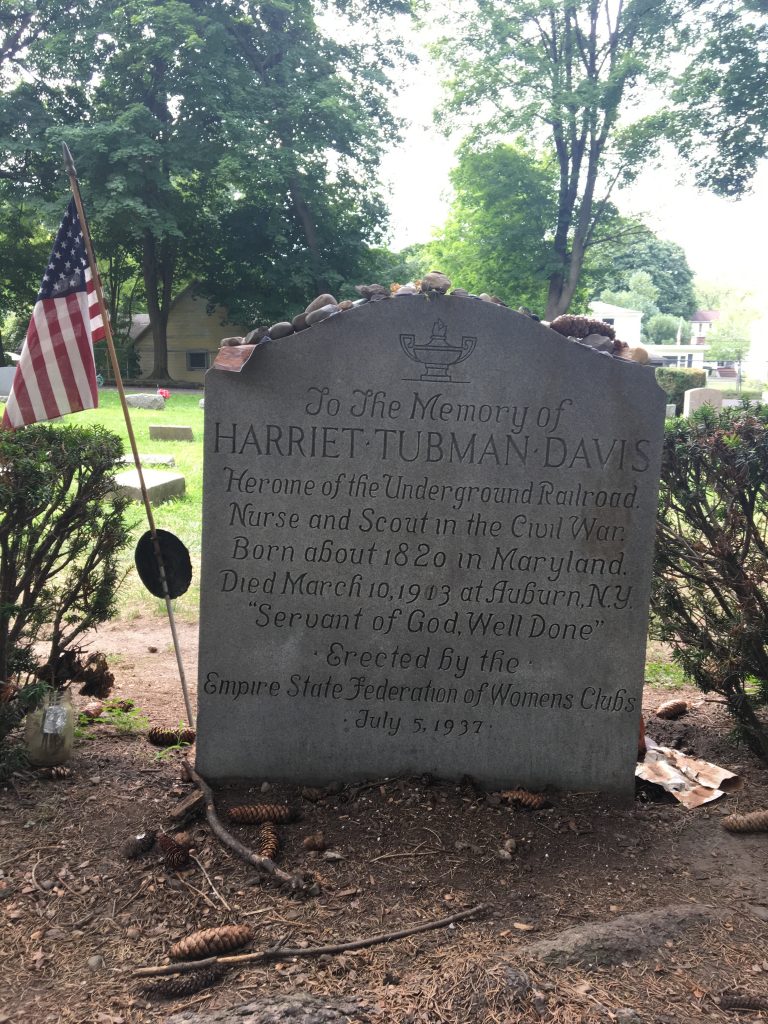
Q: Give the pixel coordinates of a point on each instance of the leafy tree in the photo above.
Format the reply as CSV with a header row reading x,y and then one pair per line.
x,y
638,248
494,239
641,293
570,72
663,329
729,341
720,115
235,145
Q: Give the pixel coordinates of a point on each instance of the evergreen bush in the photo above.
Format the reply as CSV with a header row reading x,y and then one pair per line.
x,y
710,586
61,532
674,382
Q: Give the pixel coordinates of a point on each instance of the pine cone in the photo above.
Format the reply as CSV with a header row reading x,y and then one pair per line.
x,y
581,326
178,985
58,771
672,709
743,1001
140,844
254,814
211,942
316,841
755,821
533,801
175,855
268,840
160,737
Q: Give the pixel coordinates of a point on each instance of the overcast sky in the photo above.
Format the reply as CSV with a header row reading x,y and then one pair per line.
x,y
724,240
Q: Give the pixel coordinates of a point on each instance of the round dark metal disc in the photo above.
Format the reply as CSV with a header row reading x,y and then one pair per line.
x,y
176,560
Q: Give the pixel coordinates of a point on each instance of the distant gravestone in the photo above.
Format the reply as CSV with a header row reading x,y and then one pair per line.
x,y
694,398
427,548
670,412
160,486
170,432
156,402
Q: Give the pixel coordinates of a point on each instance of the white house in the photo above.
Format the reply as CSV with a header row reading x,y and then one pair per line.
x,y
626,322
702,323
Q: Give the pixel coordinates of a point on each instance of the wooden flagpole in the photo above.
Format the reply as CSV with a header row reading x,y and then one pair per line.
x,y
69,166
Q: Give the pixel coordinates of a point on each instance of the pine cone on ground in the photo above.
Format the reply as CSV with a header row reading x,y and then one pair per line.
x,y
211,942
743,1001
268,840
581,326
672,709
138,845
175,854
755,821
255,814
58,771
178,985
316,841
533,801
160,737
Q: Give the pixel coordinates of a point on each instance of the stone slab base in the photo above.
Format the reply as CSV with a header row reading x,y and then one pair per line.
x,y
160,486
169,432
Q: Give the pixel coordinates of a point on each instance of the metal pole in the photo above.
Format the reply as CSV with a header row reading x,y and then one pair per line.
x,y
74,185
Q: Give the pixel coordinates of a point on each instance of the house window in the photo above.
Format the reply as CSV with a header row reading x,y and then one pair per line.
x,y
198,359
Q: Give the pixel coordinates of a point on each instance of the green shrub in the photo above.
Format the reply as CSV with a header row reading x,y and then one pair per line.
x,y
675,382
710,585
61,531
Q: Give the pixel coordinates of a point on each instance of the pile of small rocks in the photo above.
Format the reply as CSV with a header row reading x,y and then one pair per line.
x,y
593,333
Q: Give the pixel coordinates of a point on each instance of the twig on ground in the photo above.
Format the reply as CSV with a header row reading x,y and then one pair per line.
x,y
296,882
34,876
139,891
282,953
199,892
213,887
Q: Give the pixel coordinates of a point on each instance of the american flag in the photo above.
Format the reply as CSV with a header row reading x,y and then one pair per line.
x,y
56,373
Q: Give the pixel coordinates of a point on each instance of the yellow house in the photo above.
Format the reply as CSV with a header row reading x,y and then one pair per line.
x,y
194,336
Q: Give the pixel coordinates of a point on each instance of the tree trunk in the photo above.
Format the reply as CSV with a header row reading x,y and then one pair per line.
x,y
307,224
158,281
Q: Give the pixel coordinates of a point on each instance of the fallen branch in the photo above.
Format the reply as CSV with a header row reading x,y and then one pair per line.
x,y
284,953
297,882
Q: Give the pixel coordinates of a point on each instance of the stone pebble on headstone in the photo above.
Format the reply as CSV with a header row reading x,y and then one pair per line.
x,y
322,300
154,402
160,486
438,552
281,330
695,398
170,432
233,342
318,315
435,281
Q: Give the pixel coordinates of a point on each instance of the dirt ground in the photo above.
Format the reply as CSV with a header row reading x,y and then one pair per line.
x,y
77,918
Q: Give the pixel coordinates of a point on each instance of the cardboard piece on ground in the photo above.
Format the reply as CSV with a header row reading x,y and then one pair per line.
x,y
691,781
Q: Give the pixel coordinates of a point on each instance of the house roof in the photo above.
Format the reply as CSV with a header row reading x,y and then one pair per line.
x,y
705,316
607,308
139,323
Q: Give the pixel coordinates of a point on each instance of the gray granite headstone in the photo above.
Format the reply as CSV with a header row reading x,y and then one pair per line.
x,y
427,537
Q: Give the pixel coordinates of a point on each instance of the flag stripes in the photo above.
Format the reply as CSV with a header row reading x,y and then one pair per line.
x,y
56,374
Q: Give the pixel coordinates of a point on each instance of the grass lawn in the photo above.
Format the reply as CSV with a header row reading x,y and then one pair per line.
x,y
182,516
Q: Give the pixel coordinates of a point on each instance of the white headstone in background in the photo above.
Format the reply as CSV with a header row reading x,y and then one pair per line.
x,y
696,397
